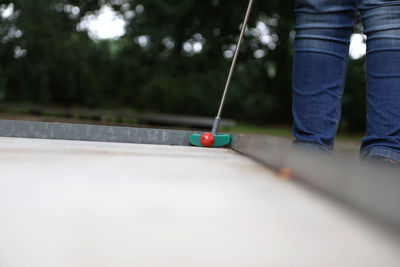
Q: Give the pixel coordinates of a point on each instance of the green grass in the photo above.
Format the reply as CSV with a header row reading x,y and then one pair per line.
x,y
80,115
283,131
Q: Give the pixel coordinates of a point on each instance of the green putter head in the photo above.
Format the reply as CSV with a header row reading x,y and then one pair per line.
x,y
219,140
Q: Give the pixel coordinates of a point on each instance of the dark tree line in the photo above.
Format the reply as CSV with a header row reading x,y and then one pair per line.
x,y
174,58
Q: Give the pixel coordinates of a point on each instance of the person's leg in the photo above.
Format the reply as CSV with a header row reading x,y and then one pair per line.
x,y
323,30
381,19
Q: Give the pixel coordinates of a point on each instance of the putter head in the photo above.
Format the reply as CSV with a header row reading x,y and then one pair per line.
x,y
219,140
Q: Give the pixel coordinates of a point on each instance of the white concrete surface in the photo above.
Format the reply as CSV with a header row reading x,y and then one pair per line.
x,y
67,203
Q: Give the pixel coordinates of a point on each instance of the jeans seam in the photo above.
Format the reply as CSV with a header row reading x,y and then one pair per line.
x,y
345,62
341,85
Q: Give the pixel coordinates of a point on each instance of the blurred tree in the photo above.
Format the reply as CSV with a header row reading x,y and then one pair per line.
x,y
50,61
174,58
354,98
261,86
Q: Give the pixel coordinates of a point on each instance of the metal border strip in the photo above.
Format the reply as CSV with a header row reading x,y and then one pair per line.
x,y
99,133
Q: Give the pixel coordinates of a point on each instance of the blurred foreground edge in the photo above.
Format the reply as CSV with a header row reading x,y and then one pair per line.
x,y
374,190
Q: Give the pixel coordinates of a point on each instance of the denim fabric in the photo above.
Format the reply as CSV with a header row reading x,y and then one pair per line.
x,y
323,30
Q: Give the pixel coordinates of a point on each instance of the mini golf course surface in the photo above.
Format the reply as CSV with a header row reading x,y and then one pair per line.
x,y
125,203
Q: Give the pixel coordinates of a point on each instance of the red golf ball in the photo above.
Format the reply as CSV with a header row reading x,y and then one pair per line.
x,y
207,139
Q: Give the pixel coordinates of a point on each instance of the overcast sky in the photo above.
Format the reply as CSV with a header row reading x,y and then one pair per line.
x,y
107,24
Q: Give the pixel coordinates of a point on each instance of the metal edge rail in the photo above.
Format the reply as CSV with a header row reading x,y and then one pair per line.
x,y
99,133
375,191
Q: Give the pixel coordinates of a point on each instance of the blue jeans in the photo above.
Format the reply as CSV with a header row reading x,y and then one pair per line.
x,y
323,30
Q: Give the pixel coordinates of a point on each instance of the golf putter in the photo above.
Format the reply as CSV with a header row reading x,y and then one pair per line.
x,y
213,139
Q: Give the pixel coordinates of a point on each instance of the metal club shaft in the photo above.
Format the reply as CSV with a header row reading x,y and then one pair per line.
x,y
228,81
